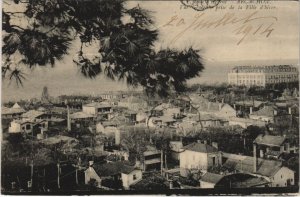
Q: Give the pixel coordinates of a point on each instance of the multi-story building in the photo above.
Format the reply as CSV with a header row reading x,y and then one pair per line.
x,y
262,75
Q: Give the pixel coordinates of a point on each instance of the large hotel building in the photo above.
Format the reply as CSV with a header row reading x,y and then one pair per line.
x,y
262,75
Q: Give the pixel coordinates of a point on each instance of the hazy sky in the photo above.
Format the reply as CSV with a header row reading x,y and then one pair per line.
x,y
219,45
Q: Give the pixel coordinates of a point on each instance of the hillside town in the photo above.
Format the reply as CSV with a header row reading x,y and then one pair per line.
x,y
244,134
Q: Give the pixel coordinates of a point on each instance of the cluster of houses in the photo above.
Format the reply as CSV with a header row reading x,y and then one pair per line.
x,y
183,114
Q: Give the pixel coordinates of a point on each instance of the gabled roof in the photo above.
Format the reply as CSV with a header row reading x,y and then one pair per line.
x,y
265,111
113,168
245,164
211,177
16,106
32,114
199,147
15,109
270,140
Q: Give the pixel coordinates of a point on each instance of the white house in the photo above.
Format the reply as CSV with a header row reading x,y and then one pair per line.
x,y
120,170
167,109
266,114
271,170
98,109
131,177
14,112
20,126
198,156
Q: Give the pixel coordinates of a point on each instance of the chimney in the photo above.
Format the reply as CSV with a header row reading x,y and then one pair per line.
x,y
126,156
215,144
222,100
254,158
234,106
288,147
137,164
198,141
205,142
220,106
275,112
91,163
117,137
290,110
68,119
171,184
261,153
251,110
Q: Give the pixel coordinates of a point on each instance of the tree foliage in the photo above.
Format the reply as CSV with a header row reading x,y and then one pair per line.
x,y
124,38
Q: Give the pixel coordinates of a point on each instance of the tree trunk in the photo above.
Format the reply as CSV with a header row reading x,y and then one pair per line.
x,y
166,164
76,175
161,162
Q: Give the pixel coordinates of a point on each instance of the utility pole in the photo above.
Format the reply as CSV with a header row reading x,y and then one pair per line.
x,y
31,173
77,168
161,161
58,174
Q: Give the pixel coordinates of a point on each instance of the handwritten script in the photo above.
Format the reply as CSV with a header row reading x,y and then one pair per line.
x,y
242,26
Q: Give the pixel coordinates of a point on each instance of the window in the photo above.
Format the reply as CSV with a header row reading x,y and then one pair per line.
x,y
28,126
134,177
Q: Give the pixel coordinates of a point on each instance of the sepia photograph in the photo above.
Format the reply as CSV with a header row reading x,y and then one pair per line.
x,y
150,97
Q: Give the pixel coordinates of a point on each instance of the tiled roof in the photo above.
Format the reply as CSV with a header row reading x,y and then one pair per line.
x,y
266,111
250,182
198,147
32,114
245,164
211,177
113,168
271,140
80,115
98,105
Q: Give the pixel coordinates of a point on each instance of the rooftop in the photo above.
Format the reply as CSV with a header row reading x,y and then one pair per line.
x,y
253,103
265,111
32,114
113,168
264,69
211,177
245,164
80,115
98,105
270,140
198,147
16,109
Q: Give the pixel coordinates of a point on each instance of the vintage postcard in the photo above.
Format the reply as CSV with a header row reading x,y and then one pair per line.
x,y
182,97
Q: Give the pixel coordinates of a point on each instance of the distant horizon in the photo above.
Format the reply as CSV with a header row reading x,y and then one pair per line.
x,y
61,83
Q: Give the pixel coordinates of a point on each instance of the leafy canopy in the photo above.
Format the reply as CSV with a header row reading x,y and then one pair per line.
x,y
124,38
